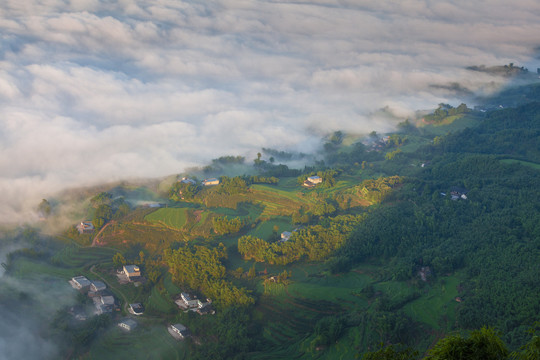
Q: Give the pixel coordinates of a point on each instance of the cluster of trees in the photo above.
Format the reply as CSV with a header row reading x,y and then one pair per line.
x,y
446,110
217,164
107,209
201,268
283,155
232,186
396,140
313,243
257,179
222,225
376,190
44,208
183,191
392,154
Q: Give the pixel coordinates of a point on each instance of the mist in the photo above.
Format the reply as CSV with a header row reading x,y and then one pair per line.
x,y
97,91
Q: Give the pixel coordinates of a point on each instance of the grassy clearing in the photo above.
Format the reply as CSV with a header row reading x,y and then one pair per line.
x,y
265,230
437,307
145,342
521,162
170,217
452,125
338,288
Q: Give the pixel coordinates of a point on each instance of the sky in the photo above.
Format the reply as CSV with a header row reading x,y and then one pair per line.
x,y
94,91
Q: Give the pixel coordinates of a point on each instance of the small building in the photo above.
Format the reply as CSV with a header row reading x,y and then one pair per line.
x,y
127,324
211,182
85,227
80,283
97,286
136,309
206,309
186,180
179,331
312,181
285,236
132,271
189,300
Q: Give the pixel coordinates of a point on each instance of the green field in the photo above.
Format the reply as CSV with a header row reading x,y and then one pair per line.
x,y
147,341
170,217
265,229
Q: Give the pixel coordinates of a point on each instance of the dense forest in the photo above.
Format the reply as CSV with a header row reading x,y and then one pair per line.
x,y
493,234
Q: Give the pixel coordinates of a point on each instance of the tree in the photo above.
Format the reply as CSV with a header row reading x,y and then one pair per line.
x,y
44,208
391,352
480,345
101,199
252,273
118,260
141,257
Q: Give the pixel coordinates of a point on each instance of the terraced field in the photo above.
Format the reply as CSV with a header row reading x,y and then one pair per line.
x,y
76,257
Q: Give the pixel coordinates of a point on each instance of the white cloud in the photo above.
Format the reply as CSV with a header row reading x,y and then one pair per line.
x,y
96,90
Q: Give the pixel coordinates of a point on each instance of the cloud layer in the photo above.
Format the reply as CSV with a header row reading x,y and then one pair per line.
x,y
95,90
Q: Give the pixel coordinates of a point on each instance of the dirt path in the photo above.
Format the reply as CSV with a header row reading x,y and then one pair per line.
x,y
95,242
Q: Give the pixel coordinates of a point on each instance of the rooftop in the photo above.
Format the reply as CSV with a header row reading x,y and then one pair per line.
x,y
131,268
129,322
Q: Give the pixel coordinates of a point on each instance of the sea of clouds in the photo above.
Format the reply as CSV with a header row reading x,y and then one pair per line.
x,y
94,91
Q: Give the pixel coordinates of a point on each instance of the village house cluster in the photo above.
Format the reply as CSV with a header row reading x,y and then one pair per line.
x,y
104,301
190,302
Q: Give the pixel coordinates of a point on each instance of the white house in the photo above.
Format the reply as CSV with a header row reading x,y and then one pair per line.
x,y
127,324
132,271
189,300
97,286
80,282
211,182
179,330
315,179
